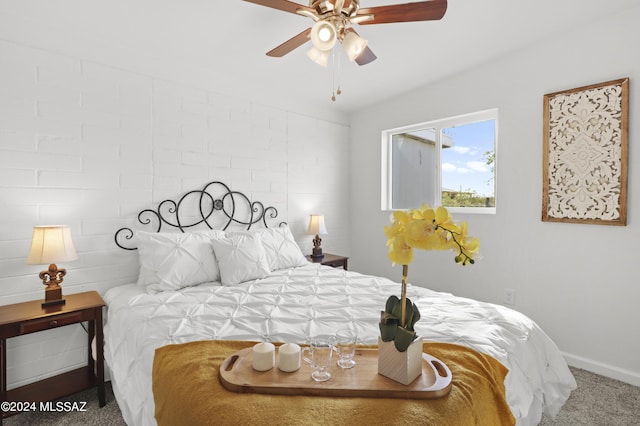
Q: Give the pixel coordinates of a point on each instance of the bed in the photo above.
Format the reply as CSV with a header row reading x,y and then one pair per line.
x,y
254,284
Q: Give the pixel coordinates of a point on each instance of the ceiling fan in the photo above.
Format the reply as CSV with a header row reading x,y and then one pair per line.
x,y
333,21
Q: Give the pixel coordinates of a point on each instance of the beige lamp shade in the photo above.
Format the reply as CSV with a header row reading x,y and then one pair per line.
x,y
316,225
51,244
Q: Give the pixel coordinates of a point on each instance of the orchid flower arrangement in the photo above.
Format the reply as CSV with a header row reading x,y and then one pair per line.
x,y
423,228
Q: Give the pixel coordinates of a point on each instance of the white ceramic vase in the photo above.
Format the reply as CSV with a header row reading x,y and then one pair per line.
x,y
403,367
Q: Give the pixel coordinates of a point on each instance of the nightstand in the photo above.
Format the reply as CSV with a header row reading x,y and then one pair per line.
x,y
30,317
331,260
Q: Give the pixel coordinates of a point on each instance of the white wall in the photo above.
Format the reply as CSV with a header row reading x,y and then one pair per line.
x,y
90,144
89,141
577,281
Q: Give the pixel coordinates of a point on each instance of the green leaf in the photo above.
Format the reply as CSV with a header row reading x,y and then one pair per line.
x,y
396,311
387,318
416,315
403,339
391,302
388,331
408,324
390,328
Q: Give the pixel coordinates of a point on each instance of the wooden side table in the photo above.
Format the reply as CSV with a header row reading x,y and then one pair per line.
x,y
333,260
31,317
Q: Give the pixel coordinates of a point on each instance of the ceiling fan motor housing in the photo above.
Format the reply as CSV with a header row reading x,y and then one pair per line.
x,y
335,12
323,7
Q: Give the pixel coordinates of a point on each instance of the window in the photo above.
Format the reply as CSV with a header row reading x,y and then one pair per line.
x,y
449,162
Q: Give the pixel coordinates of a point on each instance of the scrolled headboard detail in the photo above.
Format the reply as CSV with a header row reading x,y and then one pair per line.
x,y
215,201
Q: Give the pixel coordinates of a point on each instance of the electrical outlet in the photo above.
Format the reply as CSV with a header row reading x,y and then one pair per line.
x,y
510,296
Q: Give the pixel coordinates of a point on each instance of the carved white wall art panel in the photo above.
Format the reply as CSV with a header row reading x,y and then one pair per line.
x,y
585,154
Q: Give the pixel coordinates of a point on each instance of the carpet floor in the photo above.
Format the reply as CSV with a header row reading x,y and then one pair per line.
x,y
598,401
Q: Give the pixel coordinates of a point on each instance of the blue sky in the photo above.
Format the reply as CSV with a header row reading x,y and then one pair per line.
x,y
464,165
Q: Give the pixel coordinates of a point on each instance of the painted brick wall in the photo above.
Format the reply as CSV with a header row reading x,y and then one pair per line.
x,y
90,145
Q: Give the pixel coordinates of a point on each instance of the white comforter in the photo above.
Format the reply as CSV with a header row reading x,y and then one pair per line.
x,y
291,305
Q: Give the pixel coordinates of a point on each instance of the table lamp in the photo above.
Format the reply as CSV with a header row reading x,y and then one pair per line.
x,y
316,226
49,245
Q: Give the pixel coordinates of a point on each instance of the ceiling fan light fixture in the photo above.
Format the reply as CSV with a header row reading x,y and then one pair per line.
x,y
354,45
320,57
323,35
333,20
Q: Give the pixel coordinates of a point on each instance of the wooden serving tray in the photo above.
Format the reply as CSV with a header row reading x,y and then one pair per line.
x,y
237,375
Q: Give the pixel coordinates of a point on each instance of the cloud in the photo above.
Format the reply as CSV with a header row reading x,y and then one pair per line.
x,y
469,167
448,167
460,149
478,166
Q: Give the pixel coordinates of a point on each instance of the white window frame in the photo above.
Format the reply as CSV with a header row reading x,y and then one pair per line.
x,y
438,125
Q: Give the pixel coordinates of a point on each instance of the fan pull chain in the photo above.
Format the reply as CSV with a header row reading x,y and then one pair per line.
x,y
334,61
339,69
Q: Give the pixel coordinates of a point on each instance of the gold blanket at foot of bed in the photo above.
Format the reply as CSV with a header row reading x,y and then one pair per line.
x,y
187,391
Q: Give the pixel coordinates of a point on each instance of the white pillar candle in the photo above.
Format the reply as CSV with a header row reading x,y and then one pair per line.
x,y
289,357
264,356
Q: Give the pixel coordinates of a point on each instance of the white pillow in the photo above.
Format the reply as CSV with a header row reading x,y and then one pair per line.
x,y
281,248
171,261
241,258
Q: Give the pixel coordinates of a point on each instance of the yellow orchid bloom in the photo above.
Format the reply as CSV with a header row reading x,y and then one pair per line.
x,y
426,228
393,231
470,243
400,252
425,212
420,233
442,216
424,235
402,217
470,246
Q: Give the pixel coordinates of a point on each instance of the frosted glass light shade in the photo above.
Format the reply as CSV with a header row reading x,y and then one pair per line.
x,y
354,45
320,57
323,35
316,225
51,244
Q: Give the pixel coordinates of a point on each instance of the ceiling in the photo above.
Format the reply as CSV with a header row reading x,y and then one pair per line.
x,y
230,38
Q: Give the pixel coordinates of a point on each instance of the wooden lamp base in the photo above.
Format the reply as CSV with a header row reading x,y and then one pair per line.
x,y
52,278
316,253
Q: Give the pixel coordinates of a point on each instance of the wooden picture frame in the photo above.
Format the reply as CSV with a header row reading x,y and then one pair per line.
x,y
585,154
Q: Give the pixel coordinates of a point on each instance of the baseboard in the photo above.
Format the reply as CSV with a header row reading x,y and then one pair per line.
x,y
627,376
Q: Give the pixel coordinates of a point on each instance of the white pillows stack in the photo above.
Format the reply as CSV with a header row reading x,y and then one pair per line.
x,y
281,249
171,261
241,258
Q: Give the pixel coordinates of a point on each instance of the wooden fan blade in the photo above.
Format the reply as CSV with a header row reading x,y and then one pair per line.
x,y
291,44
418,11
287,6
